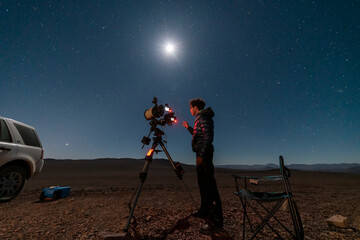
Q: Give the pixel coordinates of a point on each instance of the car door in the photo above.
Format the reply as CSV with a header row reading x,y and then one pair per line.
x,y
8,148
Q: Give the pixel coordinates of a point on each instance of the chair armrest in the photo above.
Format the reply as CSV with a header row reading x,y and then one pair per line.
x,y
272,178
244,177
268,178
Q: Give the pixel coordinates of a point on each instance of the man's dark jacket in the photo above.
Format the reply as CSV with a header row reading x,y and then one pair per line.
x,y
203,132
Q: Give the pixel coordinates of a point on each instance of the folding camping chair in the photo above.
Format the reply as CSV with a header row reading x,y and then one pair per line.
x,y
269,207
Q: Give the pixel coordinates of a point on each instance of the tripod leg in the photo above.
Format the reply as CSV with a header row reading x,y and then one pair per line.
x,y
142,177
179,172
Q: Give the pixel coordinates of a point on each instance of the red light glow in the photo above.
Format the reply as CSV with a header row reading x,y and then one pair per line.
x,y
150,152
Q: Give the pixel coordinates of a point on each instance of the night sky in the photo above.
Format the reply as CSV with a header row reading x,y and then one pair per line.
x,y
283,77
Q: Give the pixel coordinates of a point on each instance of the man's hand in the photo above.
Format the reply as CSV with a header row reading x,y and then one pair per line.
x,y
199,160
185,124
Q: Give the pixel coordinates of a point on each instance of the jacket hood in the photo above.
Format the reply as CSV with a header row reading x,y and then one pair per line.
x,y
208,111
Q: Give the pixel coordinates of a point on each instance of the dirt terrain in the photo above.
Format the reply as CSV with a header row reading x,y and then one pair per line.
x,y
101,190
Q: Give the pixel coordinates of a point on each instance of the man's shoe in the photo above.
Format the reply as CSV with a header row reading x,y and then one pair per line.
x,y
199,214
218,223
208,229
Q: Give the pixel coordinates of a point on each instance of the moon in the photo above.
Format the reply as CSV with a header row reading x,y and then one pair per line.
x,y
170,49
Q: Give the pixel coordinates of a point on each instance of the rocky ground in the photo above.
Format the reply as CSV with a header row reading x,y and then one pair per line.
x,y
164,207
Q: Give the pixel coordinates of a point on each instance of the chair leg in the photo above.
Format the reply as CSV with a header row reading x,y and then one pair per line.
x,y
245,217
244,204
265,221
295,215
261,217
297,224
299,233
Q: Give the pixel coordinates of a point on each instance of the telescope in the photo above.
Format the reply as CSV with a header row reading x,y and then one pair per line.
x,y
155,113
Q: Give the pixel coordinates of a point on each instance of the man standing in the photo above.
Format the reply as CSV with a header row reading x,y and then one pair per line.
x,y
203,135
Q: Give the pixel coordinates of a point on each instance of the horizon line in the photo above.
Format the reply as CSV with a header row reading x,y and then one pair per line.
x,y
256,164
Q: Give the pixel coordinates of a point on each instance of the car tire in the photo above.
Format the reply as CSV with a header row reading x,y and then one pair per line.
x,y
12,180
42,196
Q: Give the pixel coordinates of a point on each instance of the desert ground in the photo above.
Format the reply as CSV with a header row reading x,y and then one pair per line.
x,y
101,190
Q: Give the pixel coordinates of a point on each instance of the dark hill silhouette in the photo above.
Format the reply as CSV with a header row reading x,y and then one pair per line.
x,y
339,167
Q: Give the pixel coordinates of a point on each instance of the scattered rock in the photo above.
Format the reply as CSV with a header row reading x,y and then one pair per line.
x,y
337,221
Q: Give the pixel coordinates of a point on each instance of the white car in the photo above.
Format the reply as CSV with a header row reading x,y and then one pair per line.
x,y
21,156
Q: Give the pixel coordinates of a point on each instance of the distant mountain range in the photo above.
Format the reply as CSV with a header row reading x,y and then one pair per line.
x,y
339,167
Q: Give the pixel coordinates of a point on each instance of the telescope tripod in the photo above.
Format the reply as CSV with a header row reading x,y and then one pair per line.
x,y
157,140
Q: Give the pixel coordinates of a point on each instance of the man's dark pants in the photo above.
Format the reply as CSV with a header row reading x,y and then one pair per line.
x,y
210,198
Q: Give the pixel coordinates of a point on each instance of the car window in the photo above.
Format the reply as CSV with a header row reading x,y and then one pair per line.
x,y
28,135
4,132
